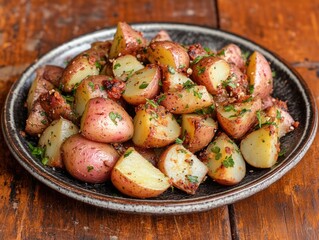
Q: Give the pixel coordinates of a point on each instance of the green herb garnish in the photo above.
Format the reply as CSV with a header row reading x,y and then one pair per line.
x,y
192,179
143,85
113,116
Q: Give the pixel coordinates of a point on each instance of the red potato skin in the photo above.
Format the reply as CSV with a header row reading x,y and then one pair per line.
x,y
232,54
37,120
97,125
87,160
53,74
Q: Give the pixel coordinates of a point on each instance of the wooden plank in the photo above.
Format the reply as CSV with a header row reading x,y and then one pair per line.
x,y
30,210
289,209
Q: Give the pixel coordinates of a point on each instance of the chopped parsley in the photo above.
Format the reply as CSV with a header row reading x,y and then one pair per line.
x,y
38,152
197,94
273,73
188,84
116,66
229,108
171,70
179,141
241,113
228,161
152,103
90,168
113,116
91,85
143,85
98,65
161,98
221,53
258,114
192,179
128,152
278,114
251,89
200,70
282,152
139,41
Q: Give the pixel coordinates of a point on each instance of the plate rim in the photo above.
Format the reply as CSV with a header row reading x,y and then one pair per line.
x,y
162,206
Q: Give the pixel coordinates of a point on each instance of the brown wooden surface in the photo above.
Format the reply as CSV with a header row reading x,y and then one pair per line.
x,y
288,209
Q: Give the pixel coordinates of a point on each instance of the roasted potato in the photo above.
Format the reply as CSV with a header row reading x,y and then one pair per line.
x,y
282,119
154,127
187,100
198,131
53,74
126,41
259,75
90,87
168,54
175,81
124,66
81,66
232,54
236,119
260,148
105,121
162,35
88,161
211,72
52,138
39,86
134,176
37,120
183,168
224,161
144,84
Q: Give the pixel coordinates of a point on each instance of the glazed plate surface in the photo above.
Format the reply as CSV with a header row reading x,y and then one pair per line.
x,y
288,86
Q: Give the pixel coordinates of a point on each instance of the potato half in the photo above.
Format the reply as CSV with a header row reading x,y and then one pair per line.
x,y
144,84
123,67
232,54
154,126
198,131
211,72
183,168
175,81
260,148
135,176
187,100
224,161
259,75
52,138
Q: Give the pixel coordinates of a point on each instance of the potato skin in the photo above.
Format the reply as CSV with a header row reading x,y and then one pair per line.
x,y
232,54
106,121
259,75
167,53
88,161
37,120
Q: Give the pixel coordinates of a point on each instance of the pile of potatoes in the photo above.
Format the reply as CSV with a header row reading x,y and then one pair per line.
x,y
149,115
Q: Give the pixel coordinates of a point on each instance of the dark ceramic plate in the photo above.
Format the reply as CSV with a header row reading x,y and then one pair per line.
x,y
289,86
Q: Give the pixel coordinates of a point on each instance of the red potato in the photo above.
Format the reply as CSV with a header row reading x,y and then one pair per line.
x,y
134,176
168,54
154,127
53,74
184,169
232,54
187,100
236,119
37,120
39,85
88,161
144,84
90,87
224,161
106,121
259,75
198,131
123,67
174,81
126,41
162,35
211,72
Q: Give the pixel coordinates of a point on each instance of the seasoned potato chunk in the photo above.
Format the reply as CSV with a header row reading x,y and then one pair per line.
x,y
123,67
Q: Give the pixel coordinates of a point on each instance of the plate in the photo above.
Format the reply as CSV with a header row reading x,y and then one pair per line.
x,y
288,86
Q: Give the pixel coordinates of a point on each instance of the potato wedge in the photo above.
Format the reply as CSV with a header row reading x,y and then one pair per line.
x,y
188,100
144,84
52,138
154,126
259,75
134,176
236,119
126,41
38,86
105,121
198,131
168,54
175,81
224,161
183,168
88,161
90,87
123,67
260,148
211,72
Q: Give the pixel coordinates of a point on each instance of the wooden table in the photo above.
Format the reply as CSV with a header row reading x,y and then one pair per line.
x,y
289,209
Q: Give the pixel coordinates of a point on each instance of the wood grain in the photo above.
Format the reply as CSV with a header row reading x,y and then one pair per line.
x,y
289,209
